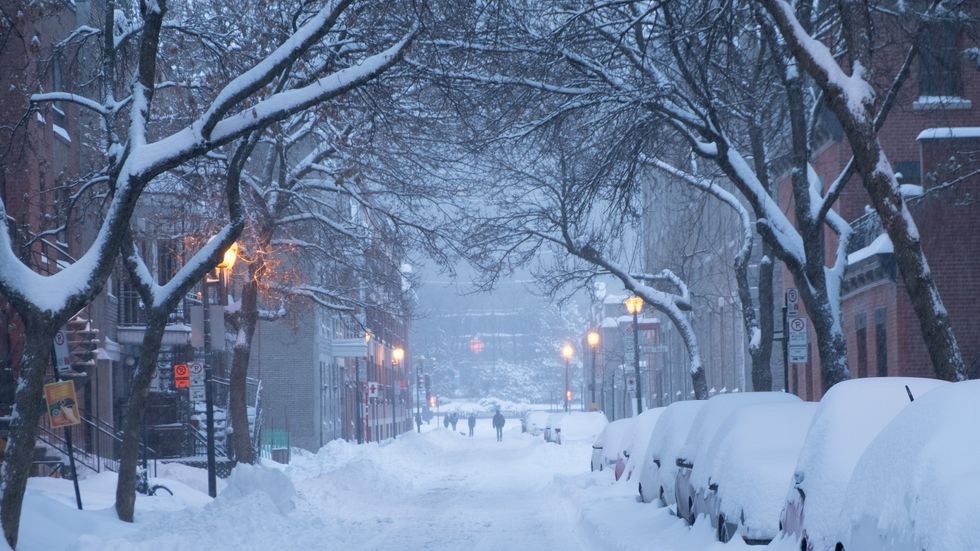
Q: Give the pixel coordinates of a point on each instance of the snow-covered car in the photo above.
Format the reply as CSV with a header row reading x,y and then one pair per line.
x,y
536,421
579,426
638,443
848,418
659,469
690,489
610,445
915,486
750,464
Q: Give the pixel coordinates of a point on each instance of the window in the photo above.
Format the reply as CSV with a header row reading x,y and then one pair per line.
x,y
881,343
939,62
861,323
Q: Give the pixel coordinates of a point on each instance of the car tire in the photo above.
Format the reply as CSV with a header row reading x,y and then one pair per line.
x,y
803,544
690,511
723,535
839,547
663,497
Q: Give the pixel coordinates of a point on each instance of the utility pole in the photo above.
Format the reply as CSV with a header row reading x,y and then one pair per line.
x,y
359,414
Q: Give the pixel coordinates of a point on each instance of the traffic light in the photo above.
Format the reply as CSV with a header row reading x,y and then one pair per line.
x,y
82,343
568,395
432,401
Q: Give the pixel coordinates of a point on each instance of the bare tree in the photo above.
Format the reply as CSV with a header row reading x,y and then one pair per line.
x,y
242,105
857,106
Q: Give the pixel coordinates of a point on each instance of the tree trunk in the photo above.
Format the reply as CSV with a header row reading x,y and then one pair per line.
x,y
831,344
762,355
696,369
133,424
28,408
241,439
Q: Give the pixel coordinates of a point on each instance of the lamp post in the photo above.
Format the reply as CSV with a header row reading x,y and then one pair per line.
x,y
397,355
634,305
418,390
227,263
593,339
567,352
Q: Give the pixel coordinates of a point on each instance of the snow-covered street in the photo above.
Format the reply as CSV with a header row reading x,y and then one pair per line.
x,y
437,490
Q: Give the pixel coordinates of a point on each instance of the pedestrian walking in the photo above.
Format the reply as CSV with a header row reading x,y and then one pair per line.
x,y
445,420
498,423
471,421
418,422
453,419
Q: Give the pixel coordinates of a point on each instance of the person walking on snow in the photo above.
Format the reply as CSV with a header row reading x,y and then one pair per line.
x,y
445,420
498,423
471,421
453,419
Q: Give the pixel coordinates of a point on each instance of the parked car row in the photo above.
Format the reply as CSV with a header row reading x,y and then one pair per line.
x,y
880,463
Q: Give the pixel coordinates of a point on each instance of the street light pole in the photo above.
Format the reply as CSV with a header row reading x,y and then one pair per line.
x,y
593,339
567,351
418,405
634,305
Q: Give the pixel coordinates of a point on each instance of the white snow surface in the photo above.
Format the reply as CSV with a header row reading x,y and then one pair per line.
x,y
431,491
849,416
666,441
963,132
755,454
916,485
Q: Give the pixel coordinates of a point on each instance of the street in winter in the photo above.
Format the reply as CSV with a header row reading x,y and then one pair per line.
x,y
501,274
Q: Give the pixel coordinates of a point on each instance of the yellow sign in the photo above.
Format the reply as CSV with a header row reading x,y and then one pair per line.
x,y
62,404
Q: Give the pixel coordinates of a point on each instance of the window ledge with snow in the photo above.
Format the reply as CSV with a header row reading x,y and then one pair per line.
x,y
936,103
61,133
963,133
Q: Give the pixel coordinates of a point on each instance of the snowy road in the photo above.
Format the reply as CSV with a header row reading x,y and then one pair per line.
x,y
437,490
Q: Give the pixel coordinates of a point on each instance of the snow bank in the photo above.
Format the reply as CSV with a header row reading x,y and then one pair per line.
x,y
917,482
639,442
666,441
754,461
849,416
246,480
881,245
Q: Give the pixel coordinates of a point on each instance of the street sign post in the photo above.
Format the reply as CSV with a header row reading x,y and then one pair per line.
x,y
61,352
631,383
182,376
792,302
62,405
374,390
798,338
197,391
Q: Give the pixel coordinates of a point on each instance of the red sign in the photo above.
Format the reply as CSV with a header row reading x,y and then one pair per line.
x,y
403,384
182,376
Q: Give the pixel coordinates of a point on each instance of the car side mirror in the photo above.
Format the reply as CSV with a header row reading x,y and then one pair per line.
x,y
798,477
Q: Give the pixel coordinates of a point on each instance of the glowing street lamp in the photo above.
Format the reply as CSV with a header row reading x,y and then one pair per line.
x,y
225,266
397,355
593,340
634,305
567,352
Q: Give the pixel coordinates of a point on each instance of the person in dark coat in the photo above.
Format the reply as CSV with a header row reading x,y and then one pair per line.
x,y
471,421
445,420
453,419
498,423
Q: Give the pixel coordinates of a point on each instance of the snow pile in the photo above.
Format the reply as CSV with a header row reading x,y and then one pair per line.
x,y
849,416
640,439
614,439
665,443
917,482
754,460
881,245
246,480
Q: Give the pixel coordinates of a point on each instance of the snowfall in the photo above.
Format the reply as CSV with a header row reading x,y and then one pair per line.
x,y
434,490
